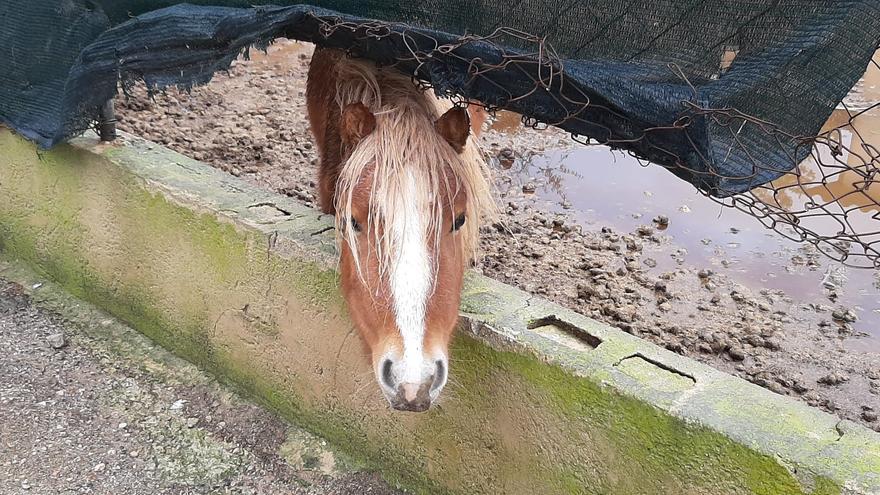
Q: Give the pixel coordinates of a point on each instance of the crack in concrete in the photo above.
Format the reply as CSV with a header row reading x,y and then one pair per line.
x,y
658,364
221,315
527,304
840,431
339,353
250,317
272,239
325,229
270,204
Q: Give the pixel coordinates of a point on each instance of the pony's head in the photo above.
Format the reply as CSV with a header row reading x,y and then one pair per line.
x,y
409,199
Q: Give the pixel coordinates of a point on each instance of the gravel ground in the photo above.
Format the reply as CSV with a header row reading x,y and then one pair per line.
x,y
252,124
93,407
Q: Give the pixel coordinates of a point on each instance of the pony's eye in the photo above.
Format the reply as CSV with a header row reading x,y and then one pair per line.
x,y
355,225
459,222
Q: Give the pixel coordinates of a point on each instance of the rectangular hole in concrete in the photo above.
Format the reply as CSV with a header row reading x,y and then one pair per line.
x,y
564,333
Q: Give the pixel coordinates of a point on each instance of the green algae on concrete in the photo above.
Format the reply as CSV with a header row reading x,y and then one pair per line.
x,y
541,400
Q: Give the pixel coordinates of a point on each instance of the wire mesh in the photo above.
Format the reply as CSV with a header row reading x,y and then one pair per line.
x,y
831,199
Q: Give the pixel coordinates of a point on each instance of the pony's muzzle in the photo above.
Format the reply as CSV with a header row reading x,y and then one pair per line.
x,y
412,396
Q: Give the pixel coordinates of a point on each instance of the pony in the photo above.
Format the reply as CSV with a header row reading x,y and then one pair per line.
x,y
409,189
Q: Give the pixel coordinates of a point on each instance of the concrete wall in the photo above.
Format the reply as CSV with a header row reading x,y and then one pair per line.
x,y
541,401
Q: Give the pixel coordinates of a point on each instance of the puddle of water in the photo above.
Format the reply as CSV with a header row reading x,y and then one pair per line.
x,y
601,187
621,193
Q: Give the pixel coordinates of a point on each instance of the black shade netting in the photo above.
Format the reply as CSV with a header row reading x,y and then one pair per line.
x,y
727,94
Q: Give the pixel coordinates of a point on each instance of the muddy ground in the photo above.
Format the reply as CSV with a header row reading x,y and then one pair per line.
x,y
94,407
252,124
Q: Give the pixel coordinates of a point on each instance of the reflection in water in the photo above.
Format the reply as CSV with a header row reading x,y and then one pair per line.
x,y
622,192
849,177
835,192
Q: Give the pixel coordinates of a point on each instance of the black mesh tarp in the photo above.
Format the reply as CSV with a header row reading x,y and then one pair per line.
x,y
647,76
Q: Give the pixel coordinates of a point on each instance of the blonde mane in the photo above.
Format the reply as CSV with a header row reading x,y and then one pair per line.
x,y
405,143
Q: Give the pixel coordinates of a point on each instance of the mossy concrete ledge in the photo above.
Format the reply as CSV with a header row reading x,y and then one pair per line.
x,y
541,401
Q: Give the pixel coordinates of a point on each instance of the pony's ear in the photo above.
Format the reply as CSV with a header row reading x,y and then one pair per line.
x,y
454,126
357,122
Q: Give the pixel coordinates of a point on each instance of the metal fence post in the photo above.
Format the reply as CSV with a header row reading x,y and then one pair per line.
x,y
107,122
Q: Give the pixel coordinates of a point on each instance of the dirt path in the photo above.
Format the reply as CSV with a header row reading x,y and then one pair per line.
x,y
99,409
252,124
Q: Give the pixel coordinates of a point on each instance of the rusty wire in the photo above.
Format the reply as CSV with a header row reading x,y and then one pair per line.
x,y
830,200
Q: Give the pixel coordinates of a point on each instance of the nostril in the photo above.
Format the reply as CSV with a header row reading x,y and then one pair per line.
x,y
387,378
439,376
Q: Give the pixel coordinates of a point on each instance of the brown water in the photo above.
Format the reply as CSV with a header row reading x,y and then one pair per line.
x,y
600,187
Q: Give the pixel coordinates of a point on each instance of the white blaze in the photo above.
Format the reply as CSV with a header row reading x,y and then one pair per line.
x,y
411,281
